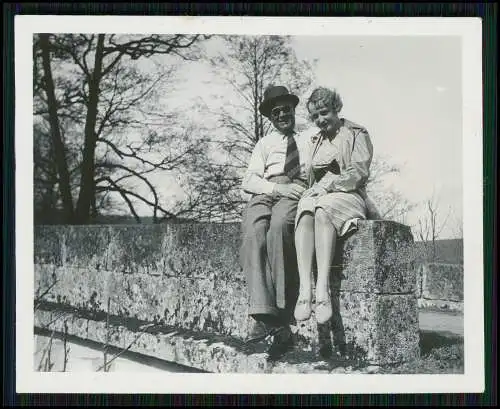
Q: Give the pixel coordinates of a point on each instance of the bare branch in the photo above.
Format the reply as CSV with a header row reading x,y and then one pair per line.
x,y
136,174
148,46
69,49
167,163
115,188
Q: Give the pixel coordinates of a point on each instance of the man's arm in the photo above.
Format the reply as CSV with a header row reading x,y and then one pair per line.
x,y
253,181
358,171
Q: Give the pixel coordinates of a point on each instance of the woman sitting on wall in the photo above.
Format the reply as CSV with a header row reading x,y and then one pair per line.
x,y
339,166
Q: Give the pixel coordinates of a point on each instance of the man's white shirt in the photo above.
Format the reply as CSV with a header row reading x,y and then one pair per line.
x,y
268,160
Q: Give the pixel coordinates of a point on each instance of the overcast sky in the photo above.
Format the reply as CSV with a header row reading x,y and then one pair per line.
x,y
407,92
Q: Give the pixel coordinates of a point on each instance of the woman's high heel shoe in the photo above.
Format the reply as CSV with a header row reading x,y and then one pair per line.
x,y
323,311
302,310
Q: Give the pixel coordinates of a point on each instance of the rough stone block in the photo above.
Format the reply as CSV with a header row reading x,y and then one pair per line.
x,y
75,246
441,305
376,328
145,297
84,288
214,305
377,258
62,322
47,245
44,280
176,250
42,319
208,353
98,332
201,304
142,249
207,250
191,303
397,334
442,281
84,246
143,266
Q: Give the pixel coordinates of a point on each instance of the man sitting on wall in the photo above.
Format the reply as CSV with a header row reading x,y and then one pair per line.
x,y
275,179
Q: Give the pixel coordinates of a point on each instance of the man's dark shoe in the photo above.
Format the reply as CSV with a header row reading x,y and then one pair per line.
x,y
282,343
259,331
263,325
326,351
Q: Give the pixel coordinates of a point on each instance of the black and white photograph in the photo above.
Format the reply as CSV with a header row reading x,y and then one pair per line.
x,y
249,205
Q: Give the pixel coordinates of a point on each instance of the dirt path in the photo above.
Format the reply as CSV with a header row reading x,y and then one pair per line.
x,y
442,322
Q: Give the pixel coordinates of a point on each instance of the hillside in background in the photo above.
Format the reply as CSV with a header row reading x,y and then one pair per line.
x,y
447,251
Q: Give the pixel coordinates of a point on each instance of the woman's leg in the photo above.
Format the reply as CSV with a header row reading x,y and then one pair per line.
x,y
304,243
325,240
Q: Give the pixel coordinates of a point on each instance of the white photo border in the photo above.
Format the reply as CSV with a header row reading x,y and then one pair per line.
x,y
473,379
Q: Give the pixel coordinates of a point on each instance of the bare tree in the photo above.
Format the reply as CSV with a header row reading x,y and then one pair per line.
x,y
213,193
94,93
57,142
457,225
430,225
391,203
247,65
244,66
45,187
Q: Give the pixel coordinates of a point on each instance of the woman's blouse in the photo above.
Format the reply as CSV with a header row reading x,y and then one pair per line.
x,y
344,160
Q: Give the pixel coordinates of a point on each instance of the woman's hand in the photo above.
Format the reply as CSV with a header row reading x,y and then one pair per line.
x,y
315,191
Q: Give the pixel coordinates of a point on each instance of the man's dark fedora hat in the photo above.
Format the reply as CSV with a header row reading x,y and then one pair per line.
x,y
274,94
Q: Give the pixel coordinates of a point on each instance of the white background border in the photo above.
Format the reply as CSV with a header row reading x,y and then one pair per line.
x,y
469,29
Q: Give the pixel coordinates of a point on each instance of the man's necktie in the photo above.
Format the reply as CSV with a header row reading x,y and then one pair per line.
x,y
292,164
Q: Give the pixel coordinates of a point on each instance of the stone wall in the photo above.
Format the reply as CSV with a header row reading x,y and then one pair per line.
x,y
185,281
440,286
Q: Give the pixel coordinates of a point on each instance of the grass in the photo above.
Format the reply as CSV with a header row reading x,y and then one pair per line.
x,y
444,360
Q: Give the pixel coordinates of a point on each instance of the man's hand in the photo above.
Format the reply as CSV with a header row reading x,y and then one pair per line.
x,y
291,190
315,191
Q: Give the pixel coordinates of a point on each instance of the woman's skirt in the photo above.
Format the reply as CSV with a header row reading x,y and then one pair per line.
x,y
343,209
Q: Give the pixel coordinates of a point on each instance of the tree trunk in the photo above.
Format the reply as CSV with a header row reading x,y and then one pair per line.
x,y
57,142
87,191
93,207
256,112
